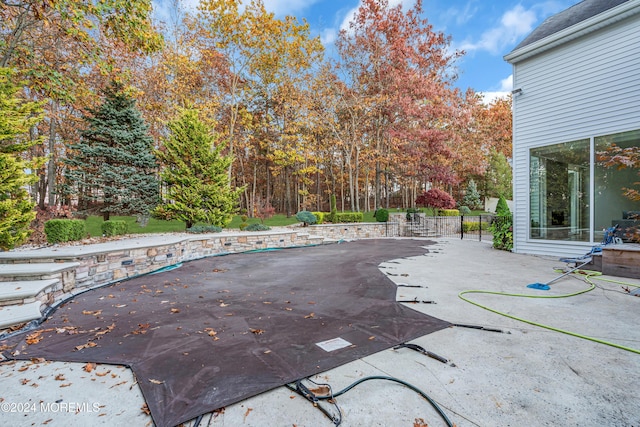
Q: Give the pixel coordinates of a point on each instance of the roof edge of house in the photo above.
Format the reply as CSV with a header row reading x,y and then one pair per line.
x,y
580,29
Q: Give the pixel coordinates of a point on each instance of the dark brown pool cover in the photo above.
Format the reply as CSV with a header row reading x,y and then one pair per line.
x,y
219,330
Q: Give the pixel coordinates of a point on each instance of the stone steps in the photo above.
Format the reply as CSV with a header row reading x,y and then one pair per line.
x,y
16,314
26,289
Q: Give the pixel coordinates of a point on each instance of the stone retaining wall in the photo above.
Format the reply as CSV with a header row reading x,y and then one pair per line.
x,y
102,268
359,230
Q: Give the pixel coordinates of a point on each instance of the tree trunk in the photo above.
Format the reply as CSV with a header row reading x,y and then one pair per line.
x,y
287,191
51,165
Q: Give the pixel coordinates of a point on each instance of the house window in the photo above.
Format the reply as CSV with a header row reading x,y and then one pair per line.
x,y
559,191
615,179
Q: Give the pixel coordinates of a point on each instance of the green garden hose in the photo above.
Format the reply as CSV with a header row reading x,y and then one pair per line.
x,y
587,277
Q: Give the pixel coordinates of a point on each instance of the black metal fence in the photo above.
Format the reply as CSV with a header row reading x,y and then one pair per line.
x,y
472,227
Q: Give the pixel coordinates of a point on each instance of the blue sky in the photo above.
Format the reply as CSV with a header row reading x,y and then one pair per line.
x,y
485,29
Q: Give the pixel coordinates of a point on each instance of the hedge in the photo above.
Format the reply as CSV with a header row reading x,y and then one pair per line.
x,y
474,226
448,212
200,229
114,228
64,230
349,217
382,215
319,217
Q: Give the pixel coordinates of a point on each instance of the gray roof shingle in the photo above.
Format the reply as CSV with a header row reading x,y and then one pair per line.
x,y
568,17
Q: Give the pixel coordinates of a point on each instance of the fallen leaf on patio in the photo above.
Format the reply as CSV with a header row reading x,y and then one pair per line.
x,y
155,381
247,413
224,305
323,390
266,302
175,310
89,367
267,352
372,338
48,421
38,360
60,377
102,374
256,331
145,409
288,308
24,368
419,422
310,315
65,385
120,305
311,302
24,381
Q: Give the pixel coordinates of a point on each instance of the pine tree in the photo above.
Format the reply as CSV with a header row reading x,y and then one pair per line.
x,y
17,116
113,167
472,197
195,175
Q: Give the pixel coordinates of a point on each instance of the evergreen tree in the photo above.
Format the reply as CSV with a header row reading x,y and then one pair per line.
x,y
113,167
195,175
17,116
472,197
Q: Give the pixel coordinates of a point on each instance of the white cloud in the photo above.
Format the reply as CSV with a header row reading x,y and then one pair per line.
x,y
514,24
506,84
287,7
489,97
328,36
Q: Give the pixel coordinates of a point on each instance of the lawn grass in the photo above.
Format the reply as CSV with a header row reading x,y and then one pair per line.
x,y
94,223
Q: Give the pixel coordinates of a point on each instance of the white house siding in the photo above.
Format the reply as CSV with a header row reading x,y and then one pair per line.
x,y
585,88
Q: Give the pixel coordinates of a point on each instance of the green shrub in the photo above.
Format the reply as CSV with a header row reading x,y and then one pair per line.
x,y
306,217
349,217
319,217
64,230
464,210
410,212
502,208
114,228
448,212
257,227
334,210
382,215
473,226
199,229
502,229
244,224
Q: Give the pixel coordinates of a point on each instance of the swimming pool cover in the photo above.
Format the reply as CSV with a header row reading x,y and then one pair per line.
x,y
222,329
